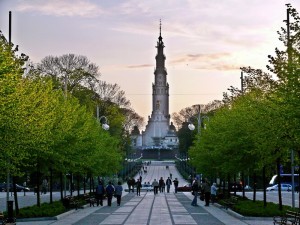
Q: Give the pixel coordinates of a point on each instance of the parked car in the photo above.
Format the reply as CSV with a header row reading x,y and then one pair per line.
x,y
185,188
284,187
146,187
3,187
235,187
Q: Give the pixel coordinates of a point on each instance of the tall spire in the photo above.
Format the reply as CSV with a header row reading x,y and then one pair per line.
x,y
160,38
160,27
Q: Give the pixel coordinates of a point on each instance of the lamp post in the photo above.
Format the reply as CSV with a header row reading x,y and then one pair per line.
x,y
103,120
199,120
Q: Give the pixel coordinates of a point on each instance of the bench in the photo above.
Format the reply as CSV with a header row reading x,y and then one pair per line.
x,y
229,203
290,217
70,202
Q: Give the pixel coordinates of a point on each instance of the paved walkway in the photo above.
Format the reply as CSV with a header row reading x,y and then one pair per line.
x,y
150,209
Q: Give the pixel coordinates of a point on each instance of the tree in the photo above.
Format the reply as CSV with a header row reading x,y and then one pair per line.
x,y
68,72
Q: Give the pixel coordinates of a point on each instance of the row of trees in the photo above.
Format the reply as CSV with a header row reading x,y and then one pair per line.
x,y
255,129
48,122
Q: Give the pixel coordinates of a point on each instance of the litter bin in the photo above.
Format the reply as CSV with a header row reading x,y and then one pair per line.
x,y
11,220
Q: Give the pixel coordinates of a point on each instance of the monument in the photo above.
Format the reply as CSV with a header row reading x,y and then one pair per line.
x,y
159,132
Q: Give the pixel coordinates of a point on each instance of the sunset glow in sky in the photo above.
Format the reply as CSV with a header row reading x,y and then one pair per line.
x,y
206,41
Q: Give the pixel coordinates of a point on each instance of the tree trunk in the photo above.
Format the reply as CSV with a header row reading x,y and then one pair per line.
x,y
51,185
264,186
38,197
254,187
61,186
15,195
243,184
279,184
78,184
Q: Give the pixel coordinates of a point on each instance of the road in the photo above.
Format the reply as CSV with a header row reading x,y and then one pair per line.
x,y
272,196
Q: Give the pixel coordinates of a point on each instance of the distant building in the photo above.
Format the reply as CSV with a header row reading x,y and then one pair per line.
x,y
158,131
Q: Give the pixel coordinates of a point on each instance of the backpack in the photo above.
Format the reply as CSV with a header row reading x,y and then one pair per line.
x,y
100,189
110,189
195,186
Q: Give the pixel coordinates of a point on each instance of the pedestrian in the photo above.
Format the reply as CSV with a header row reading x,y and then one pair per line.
x,y
155,185
110,189
168,183
175,182
195,189
170,175
206,189
44,186
138,185
118,193
141,179
129,183
99,193
213,192
161,184
132,183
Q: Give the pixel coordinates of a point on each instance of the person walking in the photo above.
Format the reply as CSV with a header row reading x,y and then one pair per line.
x,y
161,184
155,185
206,190
168,183
132,183
118,193
99,193
138,185
44,186
213,192
175,182
110,189
195,189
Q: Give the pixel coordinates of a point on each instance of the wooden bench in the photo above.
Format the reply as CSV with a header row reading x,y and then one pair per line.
x,y
290,218
70,202
229,203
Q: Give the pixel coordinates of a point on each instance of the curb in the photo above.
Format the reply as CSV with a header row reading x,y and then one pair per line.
x,y
51,218
241,217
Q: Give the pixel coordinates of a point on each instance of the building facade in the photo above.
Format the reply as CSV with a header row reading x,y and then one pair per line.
x,y
159,131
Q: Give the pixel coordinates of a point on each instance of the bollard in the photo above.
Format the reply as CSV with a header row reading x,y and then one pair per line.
x,y
10,213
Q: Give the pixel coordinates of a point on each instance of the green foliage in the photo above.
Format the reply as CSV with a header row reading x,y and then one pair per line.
x,y
45,210
247,207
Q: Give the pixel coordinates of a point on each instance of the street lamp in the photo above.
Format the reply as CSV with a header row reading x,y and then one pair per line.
x,y
105,125
199,120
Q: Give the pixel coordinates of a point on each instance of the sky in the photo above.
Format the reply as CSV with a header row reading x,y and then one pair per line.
x,y
206,42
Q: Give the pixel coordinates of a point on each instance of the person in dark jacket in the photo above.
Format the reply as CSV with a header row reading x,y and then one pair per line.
x,y
110,189
206,189
161,185
99,193
195,189
175,182
118,192
168,183
138,187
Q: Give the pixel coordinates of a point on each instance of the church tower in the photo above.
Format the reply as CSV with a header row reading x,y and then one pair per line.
x,y
159,122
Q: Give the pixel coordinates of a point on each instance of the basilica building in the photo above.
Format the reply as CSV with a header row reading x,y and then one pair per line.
x,y
159,132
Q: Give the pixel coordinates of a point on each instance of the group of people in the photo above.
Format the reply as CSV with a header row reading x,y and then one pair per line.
x,y
110,190
161,185
207,192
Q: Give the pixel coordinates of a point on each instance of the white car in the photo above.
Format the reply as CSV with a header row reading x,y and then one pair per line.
x,y
146,187
284,187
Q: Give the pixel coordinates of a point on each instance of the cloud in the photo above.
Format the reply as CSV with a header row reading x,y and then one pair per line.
x,y
60,8
219,67
199,57
139,66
